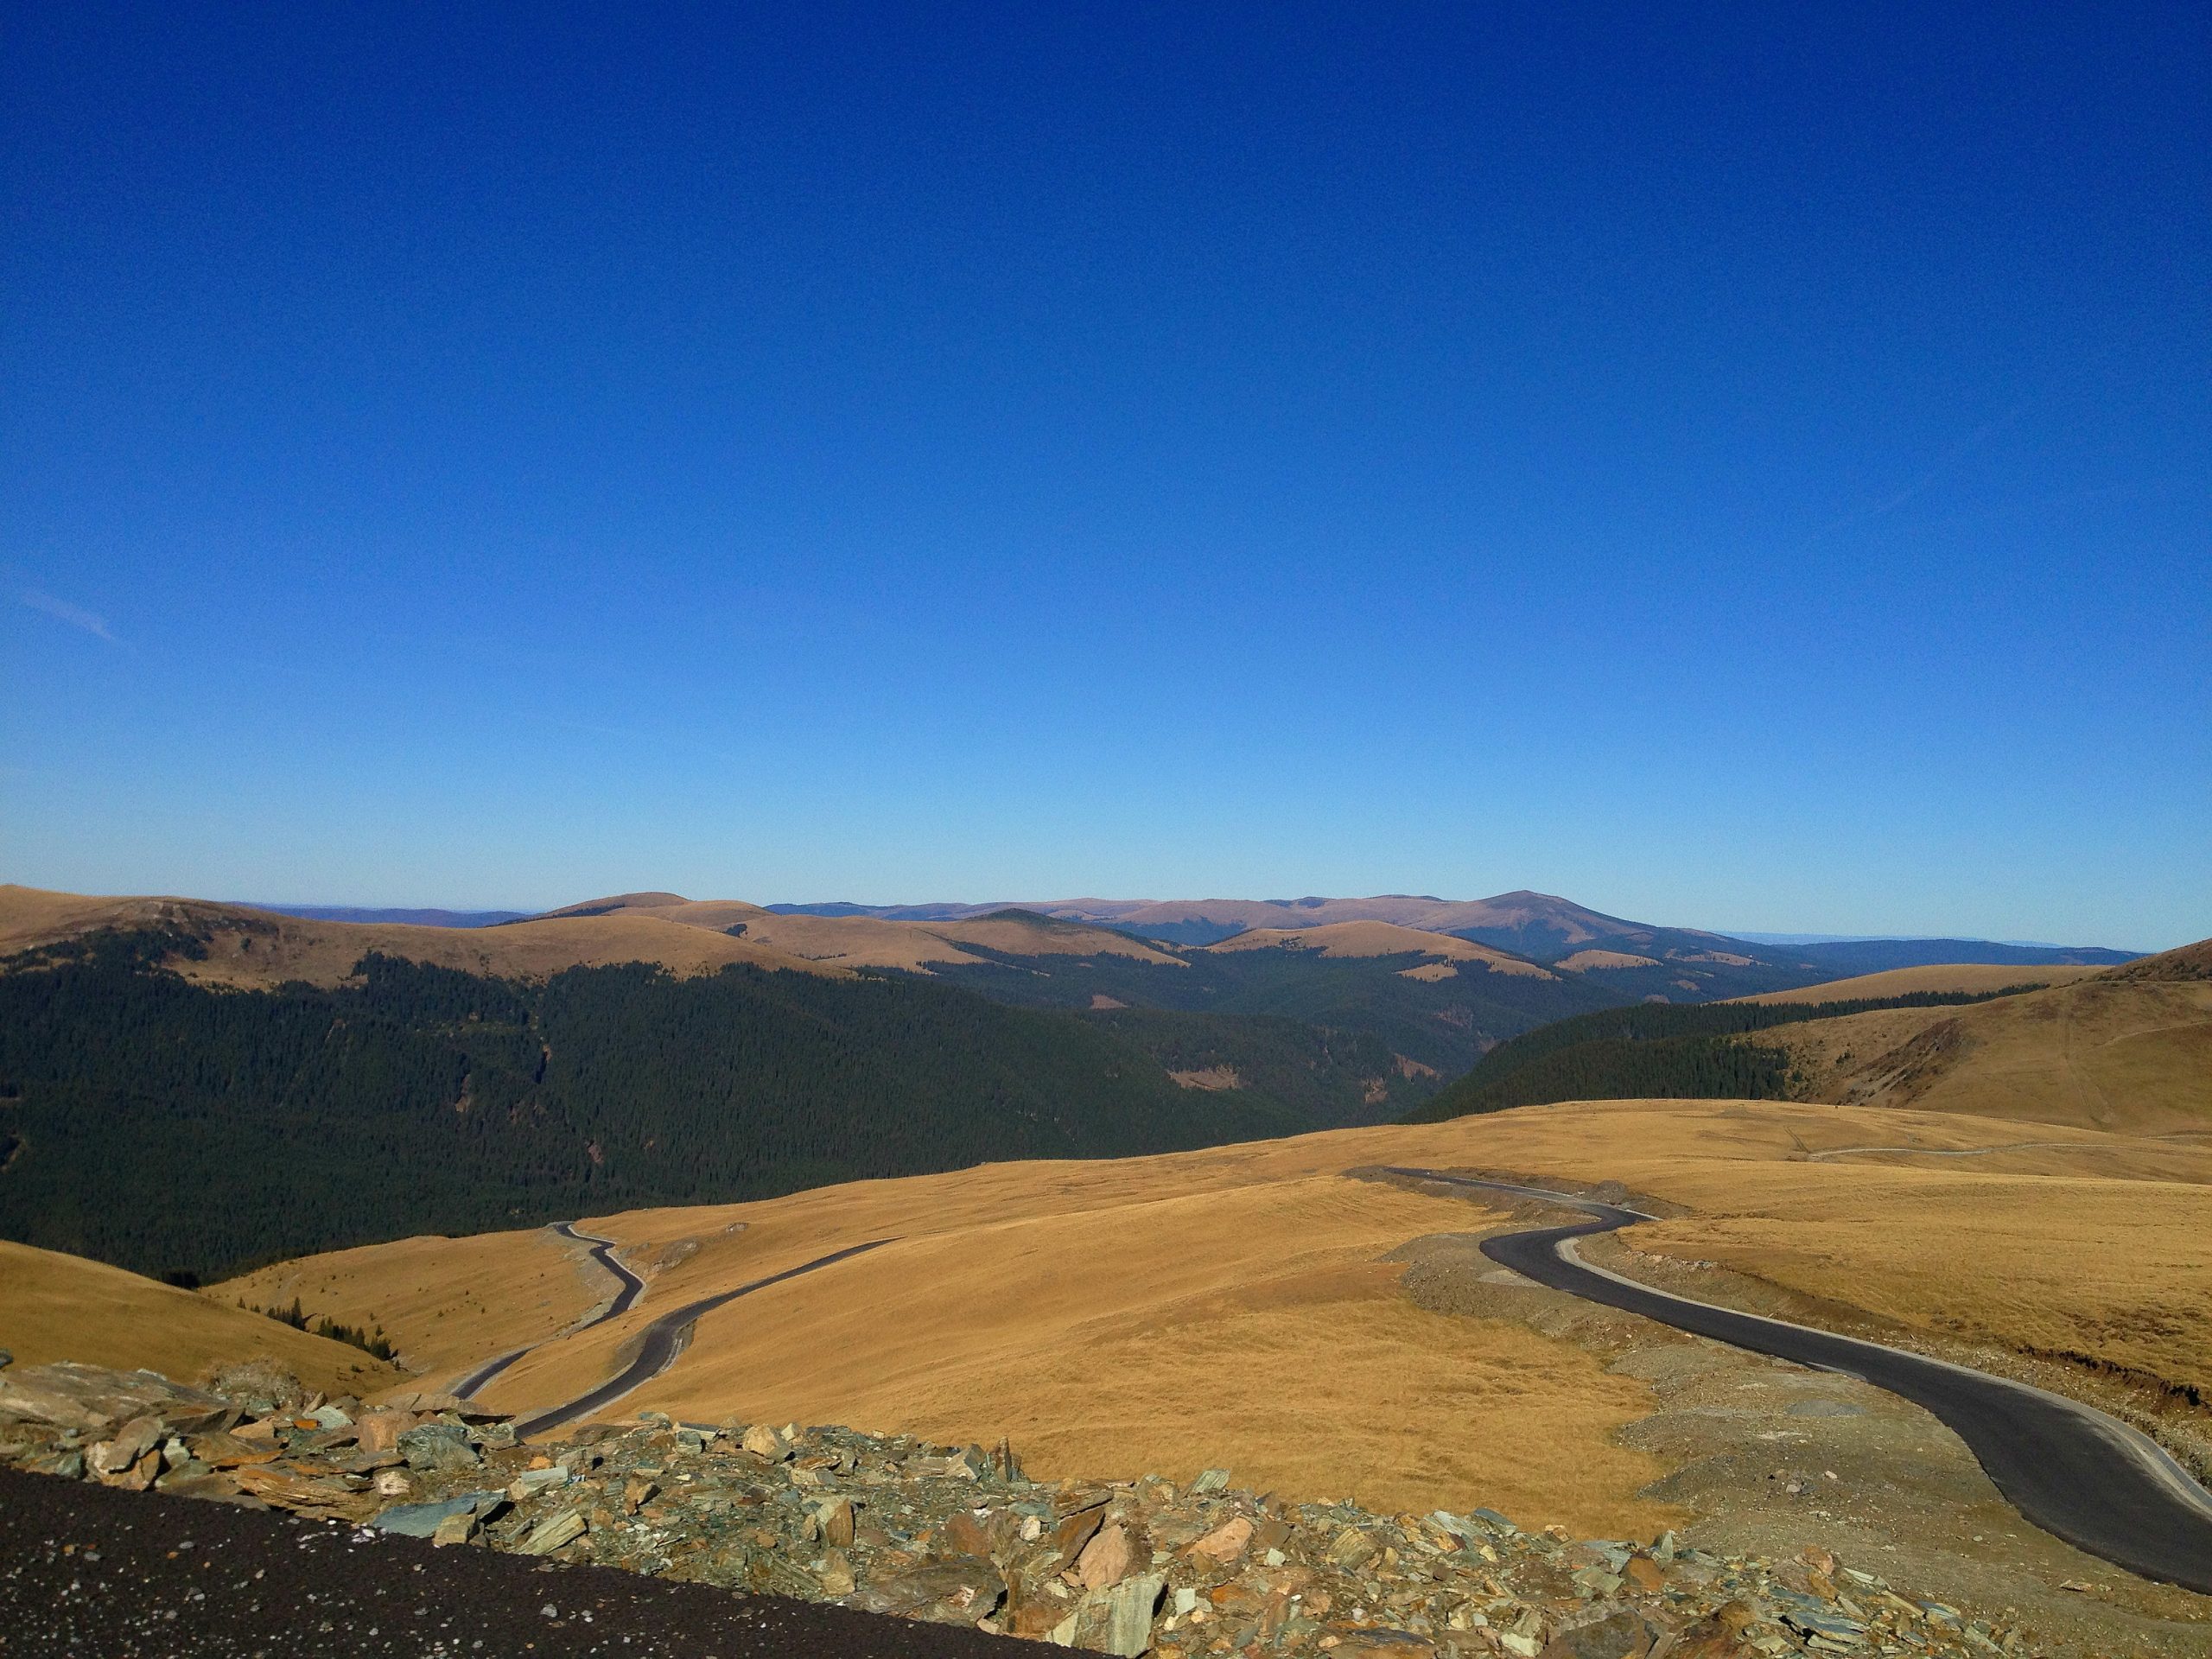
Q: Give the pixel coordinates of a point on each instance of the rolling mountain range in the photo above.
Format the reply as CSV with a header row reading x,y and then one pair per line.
x,y
1533,923
1434,984
1540,927
1537,925
647,1048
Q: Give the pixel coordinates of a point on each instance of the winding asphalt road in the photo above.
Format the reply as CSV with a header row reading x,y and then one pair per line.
x,y
2088,1478
663,1340
630,1288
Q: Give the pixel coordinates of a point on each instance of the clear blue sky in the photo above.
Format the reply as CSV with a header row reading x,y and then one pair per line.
x,y
1744,467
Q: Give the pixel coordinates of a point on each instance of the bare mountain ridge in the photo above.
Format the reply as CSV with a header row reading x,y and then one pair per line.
x,y
1538,925
239,946
244,946
1636,960
1543,927
1354,1020
1554,931
1513,933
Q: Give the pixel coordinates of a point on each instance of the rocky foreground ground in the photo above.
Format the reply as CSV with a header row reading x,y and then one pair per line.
x,y
960,1536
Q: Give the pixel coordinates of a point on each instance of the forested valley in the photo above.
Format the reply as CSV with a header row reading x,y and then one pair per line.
x,y
167,1126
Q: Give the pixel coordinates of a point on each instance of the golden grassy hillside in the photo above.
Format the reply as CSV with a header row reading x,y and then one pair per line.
x,y
56,1307
1583,961
1149,1312
447,1303
1974,977
1230,1305
2189,962
2132,1054
2054,1264
1382,939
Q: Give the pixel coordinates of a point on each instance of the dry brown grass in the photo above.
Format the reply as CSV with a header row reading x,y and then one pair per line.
x,y
1583,961
1114,1319
1230,1306
1381,939
1974,977
2115,1270
56,1307
2185,961
448,1303
2124,1054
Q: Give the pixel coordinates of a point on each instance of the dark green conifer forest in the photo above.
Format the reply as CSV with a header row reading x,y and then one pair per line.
x,y
190,1132
170,1127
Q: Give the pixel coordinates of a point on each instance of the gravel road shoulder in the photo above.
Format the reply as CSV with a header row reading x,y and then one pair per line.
x,y
1770,1456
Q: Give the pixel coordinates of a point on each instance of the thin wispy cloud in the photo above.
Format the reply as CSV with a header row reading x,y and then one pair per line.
x,y
75,615
1950,457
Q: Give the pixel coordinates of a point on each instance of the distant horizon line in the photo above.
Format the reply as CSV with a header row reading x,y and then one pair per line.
x,y
491,914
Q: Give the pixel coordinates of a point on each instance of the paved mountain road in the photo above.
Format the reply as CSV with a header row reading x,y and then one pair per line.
x,y
658,1345
663,1340
2088,1478
629,1287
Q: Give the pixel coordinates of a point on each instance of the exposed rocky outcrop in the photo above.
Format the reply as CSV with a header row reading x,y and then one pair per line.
x,y
960,1534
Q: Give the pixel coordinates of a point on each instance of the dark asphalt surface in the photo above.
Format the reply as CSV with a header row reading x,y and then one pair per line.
x,y
663,1340
2069,1469
603,1251
89,1572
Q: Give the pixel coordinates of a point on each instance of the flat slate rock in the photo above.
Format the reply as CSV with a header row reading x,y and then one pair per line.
x,y
90,1572
421,1520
